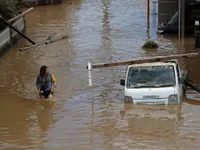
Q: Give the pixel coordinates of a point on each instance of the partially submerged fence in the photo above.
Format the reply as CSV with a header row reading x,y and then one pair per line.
x,y
5,37
8,36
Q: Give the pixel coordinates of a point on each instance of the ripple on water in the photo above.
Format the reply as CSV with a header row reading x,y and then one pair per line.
x,y
91,117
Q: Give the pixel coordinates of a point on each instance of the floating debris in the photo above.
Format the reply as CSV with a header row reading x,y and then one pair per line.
x,y
150,44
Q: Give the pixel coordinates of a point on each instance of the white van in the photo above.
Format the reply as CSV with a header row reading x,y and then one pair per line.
x,y
154,83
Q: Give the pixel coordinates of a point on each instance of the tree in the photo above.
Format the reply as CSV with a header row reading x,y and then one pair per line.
x,y
8,9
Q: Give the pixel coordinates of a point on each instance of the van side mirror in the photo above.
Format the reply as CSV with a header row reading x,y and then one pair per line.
x,y
122,82
181,80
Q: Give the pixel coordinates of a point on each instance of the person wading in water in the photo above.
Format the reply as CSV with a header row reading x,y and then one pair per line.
x,y
45,83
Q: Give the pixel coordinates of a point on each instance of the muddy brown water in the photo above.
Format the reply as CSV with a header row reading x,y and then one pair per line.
x,y
84,117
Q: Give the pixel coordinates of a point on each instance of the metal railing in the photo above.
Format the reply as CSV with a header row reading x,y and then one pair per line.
x,y
4,37
7,35
164,9
19,24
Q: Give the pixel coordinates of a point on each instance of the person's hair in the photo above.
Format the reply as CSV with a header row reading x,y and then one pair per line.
x,y
43,71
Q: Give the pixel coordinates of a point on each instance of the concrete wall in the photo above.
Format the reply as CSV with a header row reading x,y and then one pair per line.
x,y
9,37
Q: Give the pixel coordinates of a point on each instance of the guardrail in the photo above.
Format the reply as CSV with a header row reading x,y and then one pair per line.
x,y
5,37
19,24
8,35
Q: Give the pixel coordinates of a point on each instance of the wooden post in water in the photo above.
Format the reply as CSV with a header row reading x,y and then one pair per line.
x,y
183,19
181,23
148,8
179,19
148,23
197,34
89,73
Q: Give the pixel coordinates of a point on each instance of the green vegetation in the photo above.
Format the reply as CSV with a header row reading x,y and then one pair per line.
x,y
8,9
149,44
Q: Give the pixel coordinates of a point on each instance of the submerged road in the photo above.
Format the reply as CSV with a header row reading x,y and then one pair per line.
x,y
92,118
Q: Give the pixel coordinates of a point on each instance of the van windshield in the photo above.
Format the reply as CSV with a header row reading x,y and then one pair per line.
x,y
151,76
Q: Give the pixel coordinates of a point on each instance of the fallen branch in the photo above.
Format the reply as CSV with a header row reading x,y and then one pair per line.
x,y
194,87
48,41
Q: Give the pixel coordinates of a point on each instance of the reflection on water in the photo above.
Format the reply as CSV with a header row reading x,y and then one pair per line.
x,y
18,123
127,131
152,120
45,115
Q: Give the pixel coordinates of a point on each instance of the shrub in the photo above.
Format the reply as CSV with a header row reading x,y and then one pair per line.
x,y
150,44
8,9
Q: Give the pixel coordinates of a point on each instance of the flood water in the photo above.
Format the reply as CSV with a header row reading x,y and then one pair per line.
x,y
92,118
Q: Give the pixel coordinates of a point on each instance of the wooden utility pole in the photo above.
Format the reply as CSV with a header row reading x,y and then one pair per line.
x,y
47,41
17,30
144,60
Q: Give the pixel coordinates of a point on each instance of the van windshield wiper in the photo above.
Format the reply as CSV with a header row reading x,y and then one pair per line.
x,y
164,85
148,86
142,86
